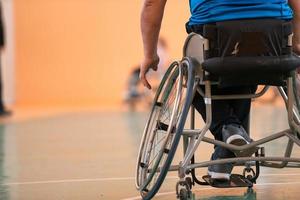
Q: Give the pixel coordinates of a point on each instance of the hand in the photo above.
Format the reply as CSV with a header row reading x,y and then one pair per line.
x,y
296,43
147,64
296,48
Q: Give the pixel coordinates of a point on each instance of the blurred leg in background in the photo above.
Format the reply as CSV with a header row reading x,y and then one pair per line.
x,y
3,111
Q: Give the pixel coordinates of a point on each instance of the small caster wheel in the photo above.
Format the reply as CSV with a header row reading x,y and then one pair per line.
x,y
189,182
183,194
249,177
249,173
250,190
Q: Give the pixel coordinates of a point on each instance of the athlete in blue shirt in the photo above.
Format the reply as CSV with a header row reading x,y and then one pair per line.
x,y
204,12
210,11
152,14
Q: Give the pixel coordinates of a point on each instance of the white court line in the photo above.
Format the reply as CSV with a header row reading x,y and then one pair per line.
x,y
69,181
209,188
105,179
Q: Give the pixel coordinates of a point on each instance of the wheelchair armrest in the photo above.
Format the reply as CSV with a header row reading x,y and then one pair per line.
x,y
224,66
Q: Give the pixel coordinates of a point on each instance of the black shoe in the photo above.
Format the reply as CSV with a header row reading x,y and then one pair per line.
x,y
235,134
221,172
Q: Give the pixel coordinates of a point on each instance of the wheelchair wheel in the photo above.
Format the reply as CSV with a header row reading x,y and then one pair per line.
x,y
296,87
164,127
156,124
296,91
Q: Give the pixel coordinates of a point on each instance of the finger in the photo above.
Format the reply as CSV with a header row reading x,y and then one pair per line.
x,y
146,83
155,67
144,80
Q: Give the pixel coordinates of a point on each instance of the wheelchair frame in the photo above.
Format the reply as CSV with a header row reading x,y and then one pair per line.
x,y
193,137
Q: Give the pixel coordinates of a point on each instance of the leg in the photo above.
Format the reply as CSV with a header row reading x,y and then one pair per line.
x,y
225,112
242,107
1,92
3,111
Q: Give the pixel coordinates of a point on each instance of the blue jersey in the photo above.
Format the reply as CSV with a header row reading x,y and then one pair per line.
x,y
208,11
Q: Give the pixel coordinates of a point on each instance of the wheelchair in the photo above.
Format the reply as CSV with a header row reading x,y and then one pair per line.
x,y
198,71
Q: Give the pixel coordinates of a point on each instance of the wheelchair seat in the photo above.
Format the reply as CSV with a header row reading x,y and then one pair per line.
x,y
223,66
271,70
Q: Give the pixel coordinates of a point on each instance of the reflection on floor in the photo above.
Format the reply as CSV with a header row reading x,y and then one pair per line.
x,y
91,154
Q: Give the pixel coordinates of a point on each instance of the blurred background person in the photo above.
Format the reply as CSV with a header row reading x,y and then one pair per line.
x,y
135,92
3,111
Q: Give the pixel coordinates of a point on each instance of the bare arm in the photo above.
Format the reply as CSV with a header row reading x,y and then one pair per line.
x,y
151,18
295,4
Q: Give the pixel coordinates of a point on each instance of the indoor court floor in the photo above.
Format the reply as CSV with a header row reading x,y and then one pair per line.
x,y
91,155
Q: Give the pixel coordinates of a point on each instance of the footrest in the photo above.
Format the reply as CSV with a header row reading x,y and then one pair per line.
x,y
236,180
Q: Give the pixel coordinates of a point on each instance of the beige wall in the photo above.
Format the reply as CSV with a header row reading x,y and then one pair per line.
x,y
80,51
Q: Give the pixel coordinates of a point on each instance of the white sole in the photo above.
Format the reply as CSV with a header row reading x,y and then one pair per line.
x,y
218,175
237,140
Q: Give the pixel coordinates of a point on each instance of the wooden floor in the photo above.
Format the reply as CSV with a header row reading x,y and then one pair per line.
x,y
89,155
